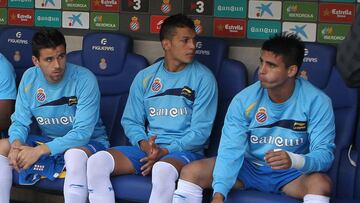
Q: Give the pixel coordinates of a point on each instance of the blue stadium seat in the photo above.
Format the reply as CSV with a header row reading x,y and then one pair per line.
x,y
108,57
15,45
318,68
231,76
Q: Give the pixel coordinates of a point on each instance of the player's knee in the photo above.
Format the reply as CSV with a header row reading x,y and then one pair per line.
x,y
192,172
4,147
321,182
75,160
163,170
100,159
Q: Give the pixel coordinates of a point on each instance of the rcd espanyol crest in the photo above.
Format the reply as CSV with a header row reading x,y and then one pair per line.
x,y
40,95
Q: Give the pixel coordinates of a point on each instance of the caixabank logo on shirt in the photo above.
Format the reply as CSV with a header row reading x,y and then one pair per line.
x,y
48,4
265,10
306,31
261,29
105,5
332,33
229,28
231,9
336,12
21,3
300,11
104,21
21,17
3,16
76,5
78,20
47,18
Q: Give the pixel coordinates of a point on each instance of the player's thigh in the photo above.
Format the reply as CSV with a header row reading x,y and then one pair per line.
x,y
199,172
296,188
123,165
4,147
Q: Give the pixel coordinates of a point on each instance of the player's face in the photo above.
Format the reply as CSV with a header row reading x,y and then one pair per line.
x,y
181,48
273,73
52,63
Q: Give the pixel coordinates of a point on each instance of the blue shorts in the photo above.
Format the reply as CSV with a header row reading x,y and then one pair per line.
x,y
34,140
47,166
134,154
265,179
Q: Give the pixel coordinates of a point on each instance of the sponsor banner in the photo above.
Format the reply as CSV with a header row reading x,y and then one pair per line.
x,y
166,7
78,20
306,31
332,33
48,4
76,5
47,18
3,16
198,7
340,0
21,17
300,11
229,28
155,23
134,23
203,25
135,6
105,5
3,3
333,12
104,21
21,3
265,10
262,29
230,8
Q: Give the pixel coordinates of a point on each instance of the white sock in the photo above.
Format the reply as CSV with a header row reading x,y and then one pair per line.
x,y
100,166
187,192
164,176
5,179
309,198
75,186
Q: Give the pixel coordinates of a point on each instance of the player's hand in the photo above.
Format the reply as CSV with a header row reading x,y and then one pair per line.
x,y
217,198
29,155
13,154
278,159
146,145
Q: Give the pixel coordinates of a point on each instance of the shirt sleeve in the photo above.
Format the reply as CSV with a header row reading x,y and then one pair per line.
x,y
86,116
21,118
134,116
203,115
322,135
7,80
233,144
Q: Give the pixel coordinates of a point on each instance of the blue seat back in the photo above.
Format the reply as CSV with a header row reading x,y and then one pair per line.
x,y
107,56
231,76
15,45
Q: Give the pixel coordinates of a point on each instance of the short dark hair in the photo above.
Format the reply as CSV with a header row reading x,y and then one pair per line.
x,y
46,38
289,45
172,22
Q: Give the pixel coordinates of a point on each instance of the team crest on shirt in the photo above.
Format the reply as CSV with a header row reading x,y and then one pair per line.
x,y
261,115
156,85
40,95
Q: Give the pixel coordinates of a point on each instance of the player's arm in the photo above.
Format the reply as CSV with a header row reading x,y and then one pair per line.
x,y
232,148
6,109
133,119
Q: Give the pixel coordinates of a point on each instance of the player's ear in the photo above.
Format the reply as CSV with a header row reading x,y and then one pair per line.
x,y
35,60
292,70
